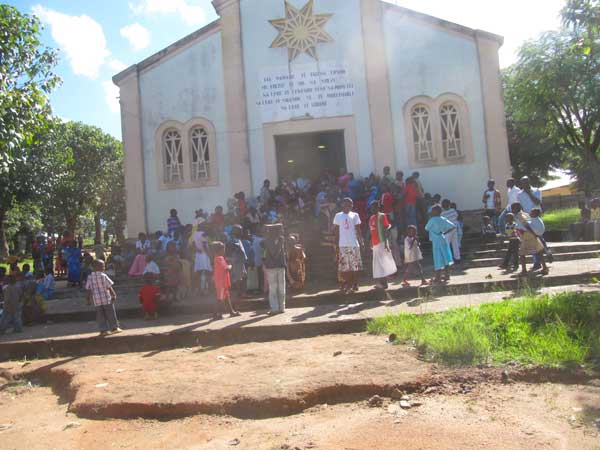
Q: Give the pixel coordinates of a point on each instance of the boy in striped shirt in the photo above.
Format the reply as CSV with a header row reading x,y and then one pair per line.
x,y
100,291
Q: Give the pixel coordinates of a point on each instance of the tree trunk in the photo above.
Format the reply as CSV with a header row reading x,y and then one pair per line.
x,y
71,224
120,232
98,229
3,243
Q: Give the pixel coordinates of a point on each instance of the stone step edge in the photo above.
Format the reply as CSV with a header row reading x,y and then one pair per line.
x,y
334,298
152,342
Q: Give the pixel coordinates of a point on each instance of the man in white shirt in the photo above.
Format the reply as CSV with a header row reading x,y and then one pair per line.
x,y
529,197
349,240
492,203
512,195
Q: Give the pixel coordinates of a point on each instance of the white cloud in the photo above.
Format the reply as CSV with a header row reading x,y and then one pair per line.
x,y
191,14
137,35
117,65
80,37
111,94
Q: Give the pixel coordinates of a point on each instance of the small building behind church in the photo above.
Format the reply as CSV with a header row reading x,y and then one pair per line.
x,y
282,88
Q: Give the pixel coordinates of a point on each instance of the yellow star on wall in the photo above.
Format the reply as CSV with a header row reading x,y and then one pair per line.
x,y
301,31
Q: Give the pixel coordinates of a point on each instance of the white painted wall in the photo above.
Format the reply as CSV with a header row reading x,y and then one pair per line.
x,y
258,34
184,86
427,60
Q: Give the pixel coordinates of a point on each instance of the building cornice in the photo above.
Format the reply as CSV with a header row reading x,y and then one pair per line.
x,y
220,5
451,26
167,51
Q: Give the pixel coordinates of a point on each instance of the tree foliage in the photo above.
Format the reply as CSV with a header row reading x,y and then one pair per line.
x,y
553,98
88,162
26,79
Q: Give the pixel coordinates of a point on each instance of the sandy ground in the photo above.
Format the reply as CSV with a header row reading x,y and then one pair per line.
x,y
519,416
93,401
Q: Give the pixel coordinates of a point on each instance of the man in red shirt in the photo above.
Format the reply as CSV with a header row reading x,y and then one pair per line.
x,y
383,260
411,193
387,200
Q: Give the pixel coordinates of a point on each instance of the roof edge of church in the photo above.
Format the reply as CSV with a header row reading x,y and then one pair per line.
x,y
444,23
152,59
212,25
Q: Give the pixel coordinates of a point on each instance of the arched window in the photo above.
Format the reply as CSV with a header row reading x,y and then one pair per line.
x,y
451,137
200,154
421,132
172,157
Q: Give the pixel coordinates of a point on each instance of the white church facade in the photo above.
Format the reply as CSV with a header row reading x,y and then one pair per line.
x,y
278,88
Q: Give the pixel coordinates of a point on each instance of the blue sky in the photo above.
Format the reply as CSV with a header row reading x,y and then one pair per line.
x,y
99,38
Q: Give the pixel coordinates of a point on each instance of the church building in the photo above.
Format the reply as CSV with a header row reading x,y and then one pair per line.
x,y
282,88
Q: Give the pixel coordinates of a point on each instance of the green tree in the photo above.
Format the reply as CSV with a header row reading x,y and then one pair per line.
x,y
553,93
112,206
26,79
87,159
533,150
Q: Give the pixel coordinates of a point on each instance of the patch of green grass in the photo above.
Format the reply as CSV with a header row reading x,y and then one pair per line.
x,y
21,262
560,219
559,331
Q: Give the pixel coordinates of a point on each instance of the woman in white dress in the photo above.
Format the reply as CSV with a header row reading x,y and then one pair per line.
x,y
202,265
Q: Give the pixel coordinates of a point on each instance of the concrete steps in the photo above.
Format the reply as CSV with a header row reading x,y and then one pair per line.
x,y
320,310
80,339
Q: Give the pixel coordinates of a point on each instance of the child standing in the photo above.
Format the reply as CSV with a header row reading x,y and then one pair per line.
x,y
149,297
511,260
13,307
275,265
173,272
530,244
537,226
100,291
222,281
452,236
438,227
296,273
488,232
412,256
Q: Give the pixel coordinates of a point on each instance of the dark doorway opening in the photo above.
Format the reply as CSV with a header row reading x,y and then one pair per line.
x,y
310,154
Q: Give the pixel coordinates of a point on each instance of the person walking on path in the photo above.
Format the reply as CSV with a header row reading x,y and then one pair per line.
x,y
100,291
383,260
492,201
275,262
348,239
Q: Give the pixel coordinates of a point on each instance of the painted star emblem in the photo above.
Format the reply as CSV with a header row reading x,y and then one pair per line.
x,y
301,30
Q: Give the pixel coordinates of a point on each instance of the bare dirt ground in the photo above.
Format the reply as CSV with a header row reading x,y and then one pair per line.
x,y
291,395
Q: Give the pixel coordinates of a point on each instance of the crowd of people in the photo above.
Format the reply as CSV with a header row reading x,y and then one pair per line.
x,y
252,246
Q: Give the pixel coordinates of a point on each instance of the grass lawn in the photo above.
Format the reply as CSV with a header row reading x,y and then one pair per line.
x,y
560,219
561,330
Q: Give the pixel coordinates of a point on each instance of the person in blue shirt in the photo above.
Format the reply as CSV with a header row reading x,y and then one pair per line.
x,y
438,227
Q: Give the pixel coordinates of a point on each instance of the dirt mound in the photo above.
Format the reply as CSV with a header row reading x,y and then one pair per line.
x,y
246,381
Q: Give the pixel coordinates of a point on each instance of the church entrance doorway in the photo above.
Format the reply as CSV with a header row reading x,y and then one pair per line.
x,y
310,154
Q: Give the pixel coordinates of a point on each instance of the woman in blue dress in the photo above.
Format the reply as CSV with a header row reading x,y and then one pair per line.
x,y
437,227
73,257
